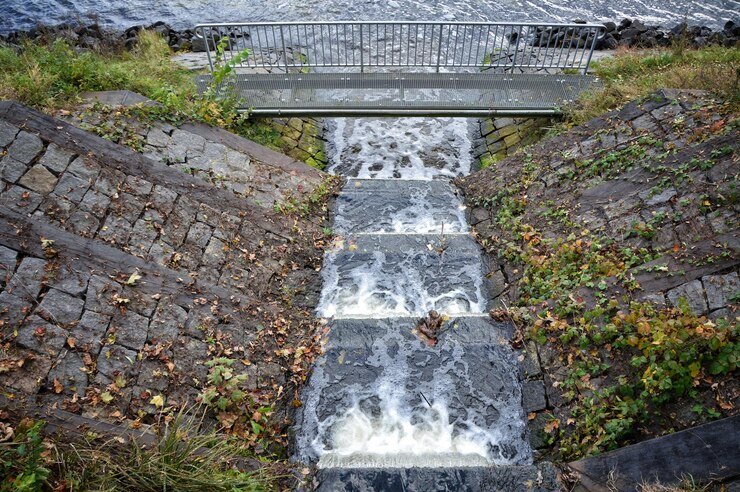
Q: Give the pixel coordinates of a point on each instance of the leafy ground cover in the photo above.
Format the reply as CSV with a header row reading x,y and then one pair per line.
x,y
53,76
587,243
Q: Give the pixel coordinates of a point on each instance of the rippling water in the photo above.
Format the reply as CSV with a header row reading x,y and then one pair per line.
x,y
19,14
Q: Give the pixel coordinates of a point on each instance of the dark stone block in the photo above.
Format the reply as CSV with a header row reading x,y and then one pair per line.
x,y
538,478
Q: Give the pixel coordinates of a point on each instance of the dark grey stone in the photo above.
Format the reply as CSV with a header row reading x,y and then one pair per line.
x,y
533,396
138,186
21,200
100,294
167,322
214,254
26,283
26,147
720,289
163,199
84,169
130,329
71,187
189,355
199,234
8,261
42,337
56,158
71,281
11,170
68,371
13,310
83,223
693,293
95,202
115,361
115,230
91,328
60,308
7,133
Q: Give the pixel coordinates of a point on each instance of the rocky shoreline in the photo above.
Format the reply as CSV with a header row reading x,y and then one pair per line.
x,y
628,33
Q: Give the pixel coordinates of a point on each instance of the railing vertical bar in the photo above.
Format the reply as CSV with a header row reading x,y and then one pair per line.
x,y
439,46
362,52
545,59
285,51
597,33
559,65
516,48
485,46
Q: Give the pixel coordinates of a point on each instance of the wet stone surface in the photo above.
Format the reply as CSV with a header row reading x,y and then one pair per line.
x,y
471,479
401,275
392,206
460,394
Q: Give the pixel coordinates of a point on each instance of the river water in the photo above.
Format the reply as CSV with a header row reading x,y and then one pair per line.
x,y
24,14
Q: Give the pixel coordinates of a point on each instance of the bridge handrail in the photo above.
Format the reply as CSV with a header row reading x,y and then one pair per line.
x,y
297,46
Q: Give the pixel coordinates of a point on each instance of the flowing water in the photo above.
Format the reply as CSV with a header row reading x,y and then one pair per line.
x,y
24,14
381,396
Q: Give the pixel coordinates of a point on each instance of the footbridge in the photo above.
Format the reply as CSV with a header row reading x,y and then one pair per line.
x,y
399,68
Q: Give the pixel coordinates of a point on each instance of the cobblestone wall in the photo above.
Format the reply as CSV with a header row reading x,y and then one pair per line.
x,y
496,138
120,277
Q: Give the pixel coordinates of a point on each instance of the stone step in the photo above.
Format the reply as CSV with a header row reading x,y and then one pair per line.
x,y
378,384
531,478
261,175
399,206
404,275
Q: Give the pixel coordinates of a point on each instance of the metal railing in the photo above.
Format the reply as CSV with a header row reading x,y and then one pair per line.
x,y
441,46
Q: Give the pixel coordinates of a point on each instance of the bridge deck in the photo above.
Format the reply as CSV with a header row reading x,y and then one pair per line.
x,y
459,94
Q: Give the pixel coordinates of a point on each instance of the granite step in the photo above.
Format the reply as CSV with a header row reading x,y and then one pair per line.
x,y
529,478
403,275
368,206
462,395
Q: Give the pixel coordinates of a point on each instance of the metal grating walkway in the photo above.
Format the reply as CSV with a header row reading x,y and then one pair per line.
x,y
400,68
460,94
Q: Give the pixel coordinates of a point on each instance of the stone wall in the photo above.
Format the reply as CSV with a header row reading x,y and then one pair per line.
x,y
496,138
121,277
302,139
659,177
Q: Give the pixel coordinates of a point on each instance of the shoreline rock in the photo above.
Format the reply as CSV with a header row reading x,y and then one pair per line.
x,y
631,33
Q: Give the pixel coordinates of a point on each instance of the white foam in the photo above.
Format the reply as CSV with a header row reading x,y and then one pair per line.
x,y
379,289
403,419
407,148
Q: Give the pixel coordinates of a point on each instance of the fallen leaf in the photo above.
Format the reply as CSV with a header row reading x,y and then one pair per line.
x,y
58,388
133,278
157,401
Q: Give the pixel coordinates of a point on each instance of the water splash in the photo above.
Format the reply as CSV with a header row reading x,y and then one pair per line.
x,y
393,401
409,148
409,283
382,207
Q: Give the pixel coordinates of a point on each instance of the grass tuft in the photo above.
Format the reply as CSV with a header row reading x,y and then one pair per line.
x,y
631,75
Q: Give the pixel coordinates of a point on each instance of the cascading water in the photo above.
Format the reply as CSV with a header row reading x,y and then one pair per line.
x,y
380,396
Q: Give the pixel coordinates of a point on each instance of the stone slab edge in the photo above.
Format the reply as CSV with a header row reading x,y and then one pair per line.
x,y
707,452
131,162
259,152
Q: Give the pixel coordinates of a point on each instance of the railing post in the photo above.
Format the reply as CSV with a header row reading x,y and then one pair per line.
x,y
285,53
597,35
439,47
362,53
516,49
207,47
